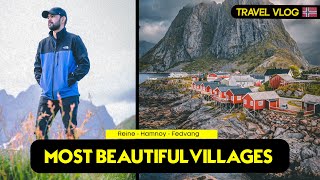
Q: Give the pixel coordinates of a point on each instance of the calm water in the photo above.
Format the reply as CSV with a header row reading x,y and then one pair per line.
x,y
144,76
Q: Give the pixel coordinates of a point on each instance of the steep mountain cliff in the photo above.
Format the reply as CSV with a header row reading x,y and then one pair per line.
x,y
207,34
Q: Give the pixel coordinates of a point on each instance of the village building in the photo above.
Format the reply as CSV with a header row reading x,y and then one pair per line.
x,y
261,100
216,75
197,85
178,74
235,95
311,104
280,80
212,86
204,84
259,79
242,80
313,76
271,72
219,93
218,80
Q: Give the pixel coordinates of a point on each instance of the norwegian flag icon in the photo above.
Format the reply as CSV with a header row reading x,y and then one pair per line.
x,y
309,12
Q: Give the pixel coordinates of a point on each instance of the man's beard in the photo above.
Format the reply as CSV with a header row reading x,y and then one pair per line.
x,y
54,27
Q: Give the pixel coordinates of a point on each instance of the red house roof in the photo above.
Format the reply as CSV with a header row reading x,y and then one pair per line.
x,y
263,95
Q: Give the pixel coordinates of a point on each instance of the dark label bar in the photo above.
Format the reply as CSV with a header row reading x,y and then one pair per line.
x,y
276,11
170,156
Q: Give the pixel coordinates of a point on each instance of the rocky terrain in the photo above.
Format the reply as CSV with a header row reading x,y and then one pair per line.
x,y
167,104
206,33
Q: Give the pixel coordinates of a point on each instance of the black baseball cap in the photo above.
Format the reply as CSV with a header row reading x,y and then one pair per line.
x,y
54,11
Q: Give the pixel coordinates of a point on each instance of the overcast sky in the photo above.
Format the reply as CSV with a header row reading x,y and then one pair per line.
x,y
106,27
155,17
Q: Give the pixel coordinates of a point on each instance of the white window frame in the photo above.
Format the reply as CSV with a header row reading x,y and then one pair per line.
x,y
260,103
244,101
238,98
251,103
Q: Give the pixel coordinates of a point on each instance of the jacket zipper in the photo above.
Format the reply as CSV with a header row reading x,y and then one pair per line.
x,y
54,63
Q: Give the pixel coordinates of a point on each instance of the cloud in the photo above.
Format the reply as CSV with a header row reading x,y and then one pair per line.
x,y
153,31
302,30
121,110
155,16
128,96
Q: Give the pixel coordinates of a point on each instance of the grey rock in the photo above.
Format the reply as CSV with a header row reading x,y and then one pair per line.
x,y
280,92
265,128
316,141
311,166
251,126
238,125
295,151
250,133
314,123
296,135
307,153
189,106
302,127
288,93
278,131
228,132
317,150
298,93
254,136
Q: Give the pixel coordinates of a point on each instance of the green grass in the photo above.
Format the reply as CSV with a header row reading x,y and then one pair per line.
x,y
240,116
294,103
313,89
16,165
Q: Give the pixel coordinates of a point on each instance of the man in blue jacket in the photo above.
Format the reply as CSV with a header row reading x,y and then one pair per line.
x,y
61,61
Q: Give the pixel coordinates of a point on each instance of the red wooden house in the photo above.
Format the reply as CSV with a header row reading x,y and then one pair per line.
x,y
280,80
311,103
197,85
235,95
261,100
206,87
219,93
210,87
221,90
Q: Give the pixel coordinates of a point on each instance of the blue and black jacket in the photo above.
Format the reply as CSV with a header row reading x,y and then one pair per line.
x,y
60,63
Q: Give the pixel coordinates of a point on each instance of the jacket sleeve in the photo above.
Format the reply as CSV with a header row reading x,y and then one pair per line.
x,y
82,60
37,66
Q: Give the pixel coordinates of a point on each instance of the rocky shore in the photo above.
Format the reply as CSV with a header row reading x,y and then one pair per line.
x,y
168,104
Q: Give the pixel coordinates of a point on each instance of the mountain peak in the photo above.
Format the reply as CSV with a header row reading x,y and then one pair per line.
x,y
207,36
3,92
